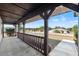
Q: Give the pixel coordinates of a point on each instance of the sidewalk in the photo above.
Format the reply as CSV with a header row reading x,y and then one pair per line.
x,y
65,48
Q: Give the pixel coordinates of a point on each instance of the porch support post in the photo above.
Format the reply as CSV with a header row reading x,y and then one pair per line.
x,y
2,30
45,33
23,29
45,15
18,30
15,30
45,36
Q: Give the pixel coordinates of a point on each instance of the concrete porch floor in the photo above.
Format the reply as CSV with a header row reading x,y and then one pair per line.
x,y
13,46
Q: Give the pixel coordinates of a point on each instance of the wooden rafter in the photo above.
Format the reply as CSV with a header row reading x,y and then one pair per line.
x,y
10,12
7,16
71,6
19,6
37,12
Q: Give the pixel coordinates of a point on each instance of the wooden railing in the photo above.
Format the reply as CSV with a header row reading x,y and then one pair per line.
x,y
36,42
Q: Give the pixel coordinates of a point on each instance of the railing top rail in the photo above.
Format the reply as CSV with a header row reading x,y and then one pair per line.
x,y
32,35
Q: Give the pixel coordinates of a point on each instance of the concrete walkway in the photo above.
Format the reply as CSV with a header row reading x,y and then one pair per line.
x,y
15,47
65,48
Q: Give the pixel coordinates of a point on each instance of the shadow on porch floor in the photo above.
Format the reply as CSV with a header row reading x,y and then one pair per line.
x,y
12,46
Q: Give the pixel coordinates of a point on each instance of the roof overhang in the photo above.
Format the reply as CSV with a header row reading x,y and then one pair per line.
x,y
15,13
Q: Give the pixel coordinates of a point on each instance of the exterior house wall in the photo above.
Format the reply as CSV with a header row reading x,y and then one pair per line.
x,y
0,28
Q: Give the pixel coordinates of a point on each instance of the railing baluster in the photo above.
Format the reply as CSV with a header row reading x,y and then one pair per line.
x,y
36,42
41,45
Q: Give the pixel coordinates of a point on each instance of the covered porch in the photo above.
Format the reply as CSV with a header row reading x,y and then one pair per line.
x,y
13,46
26,44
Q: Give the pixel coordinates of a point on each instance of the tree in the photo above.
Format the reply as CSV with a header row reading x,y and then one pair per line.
x,y
10,31
75,32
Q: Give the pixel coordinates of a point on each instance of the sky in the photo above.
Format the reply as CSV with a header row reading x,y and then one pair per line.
x,y
66,20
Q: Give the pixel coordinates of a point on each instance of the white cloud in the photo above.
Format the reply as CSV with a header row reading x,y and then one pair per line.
x,y
75,21
62,18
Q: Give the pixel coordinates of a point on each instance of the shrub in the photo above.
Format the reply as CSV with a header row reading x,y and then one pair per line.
x,y
56,31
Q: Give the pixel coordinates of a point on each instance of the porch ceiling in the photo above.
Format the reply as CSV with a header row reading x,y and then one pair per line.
x,y
12,13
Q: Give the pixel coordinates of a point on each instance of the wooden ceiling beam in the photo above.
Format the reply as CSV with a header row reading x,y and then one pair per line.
x,y
7,16
19,6
71,6
37,12
9,23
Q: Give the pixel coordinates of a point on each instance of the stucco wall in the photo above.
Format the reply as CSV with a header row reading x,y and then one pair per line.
x,y
0,28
